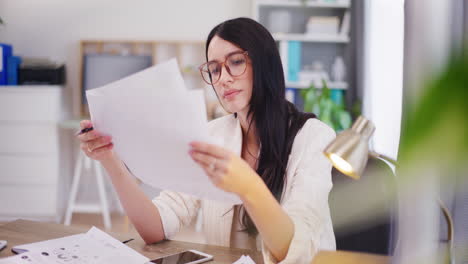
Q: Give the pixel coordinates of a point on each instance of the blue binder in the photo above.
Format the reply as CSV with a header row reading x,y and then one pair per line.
x,y
5,52
13,63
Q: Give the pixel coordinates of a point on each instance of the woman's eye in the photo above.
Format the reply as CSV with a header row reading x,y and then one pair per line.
x,y
237,62
214,71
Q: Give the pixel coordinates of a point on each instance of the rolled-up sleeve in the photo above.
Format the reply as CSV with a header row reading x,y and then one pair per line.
x,y
306,194
177,210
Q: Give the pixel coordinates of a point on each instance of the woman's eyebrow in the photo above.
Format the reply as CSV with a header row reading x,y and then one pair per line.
x,y
227,55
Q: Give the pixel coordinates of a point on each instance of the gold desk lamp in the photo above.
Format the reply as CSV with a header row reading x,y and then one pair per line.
x,y
349,153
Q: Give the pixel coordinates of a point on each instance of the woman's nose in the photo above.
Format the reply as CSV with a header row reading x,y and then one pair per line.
x,y
225,76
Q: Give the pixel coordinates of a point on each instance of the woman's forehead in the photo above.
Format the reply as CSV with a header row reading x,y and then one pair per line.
x,y
220,48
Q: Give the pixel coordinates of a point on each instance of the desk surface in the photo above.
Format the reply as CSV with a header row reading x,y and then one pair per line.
x,y
23,232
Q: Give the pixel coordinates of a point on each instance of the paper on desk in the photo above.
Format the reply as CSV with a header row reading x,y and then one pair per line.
x,y
152,118
42,245
29,258
100,247
91,248
244,260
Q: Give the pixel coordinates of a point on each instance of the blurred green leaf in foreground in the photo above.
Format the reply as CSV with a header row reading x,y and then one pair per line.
x,y
435,128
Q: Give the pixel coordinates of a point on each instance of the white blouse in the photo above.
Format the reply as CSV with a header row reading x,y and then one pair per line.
x,y
304,199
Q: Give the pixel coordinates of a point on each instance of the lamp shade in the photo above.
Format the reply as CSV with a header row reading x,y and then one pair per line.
x,y
350,149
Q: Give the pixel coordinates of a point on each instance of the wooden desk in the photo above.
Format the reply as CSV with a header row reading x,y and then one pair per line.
x,y
346,257
22,232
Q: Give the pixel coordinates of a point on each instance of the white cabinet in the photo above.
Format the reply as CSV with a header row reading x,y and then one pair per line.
x,y
30,183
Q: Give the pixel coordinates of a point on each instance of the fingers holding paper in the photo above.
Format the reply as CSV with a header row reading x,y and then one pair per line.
x,y
95,144
226,170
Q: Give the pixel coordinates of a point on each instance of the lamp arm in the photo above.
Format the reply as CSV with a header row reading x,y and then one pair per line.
x,y
449,220
382,156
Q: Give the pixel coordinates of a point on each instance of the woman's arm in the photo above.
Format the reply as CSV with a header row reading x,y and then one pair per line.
x,y
143,214
273,223
290,232
232,174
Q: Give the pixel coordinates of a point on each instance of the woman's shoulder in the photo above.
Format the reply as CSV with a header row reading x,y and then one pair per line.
x,y
314,130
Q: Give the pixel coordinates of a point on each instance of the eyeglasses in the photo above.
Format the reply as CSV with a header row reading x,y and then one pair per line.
x,y
235,64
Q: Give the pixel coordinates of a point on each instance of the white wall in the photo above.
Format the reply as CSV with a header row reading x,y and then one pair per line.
x,y
383,72
53,28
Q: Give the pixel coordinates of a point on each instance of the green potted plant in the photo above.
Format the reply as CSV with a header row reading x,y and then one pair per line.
x,y
320,102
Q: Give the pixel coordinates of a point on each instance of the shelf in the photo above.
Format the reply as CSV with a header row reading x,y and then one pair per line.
x,y
28,88
305,85
308,3
311,38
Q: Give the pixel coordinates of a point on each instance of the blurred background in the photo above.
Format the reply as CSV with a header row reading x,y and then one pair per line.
x,y
391,61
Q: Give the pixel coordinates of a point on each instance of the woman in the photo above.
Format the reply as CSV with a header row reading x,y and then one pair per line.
x,y
271,157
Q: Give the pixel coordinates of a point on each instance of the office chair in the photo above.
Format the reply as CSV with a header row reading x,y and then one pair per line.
x,y
378,234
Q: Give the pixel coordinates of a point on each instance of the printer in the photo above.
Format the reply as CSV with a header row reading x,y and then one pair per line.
x,y
40,71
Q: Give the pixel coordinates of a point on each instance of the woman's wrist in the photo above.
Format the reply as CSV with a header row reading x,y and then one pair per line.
x,y
253,189
112,163
111,159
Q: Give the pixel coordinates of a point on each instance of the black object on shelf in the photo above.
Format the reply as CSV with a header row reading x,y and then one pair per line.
x,y
46,75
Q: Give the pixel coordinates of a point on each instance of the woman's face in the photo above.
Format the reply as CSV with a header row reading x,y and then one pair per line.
x,y
234,92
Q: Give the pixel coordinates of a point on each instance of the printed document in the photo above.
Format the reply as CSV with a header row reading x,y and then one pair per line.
x,y
91,248
152,118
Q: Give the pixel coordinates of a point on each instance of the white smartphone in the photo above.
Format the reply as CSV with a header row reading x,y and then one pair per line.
x,y
186,257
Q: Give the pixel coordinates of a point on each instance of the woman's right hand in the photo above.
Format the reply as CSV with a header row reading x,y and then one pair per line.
x,y
94,144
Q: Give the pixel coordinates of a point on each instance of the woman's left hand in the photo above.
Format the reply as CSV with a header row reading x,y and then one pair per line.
x,y
226,170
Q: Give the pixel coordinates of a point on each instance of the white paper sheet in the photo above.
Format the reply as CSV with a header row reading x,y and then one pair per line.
x,y
152,118
99,247
91,248
42,245
25,258
244,260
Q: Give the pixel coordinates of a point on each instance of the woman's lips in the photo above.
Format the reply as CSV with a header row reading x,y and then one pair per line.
x,y
230,94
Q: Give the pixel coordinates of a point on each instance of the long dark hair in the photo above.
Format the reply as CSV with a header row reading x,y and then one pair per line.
x,y
276,120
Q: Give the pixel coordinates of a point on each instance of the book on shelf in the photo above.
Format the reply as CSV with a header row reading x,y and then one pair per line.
x,y
345,24
283,50
291,95
294,60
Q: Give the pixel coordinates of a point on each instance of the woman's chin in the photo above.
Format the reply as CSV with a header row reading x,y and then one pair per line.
x,y
234,106
233,109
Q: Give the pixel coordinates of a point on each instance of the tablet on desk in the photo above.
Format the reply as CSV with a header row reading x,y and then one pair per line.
x,y
186,257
